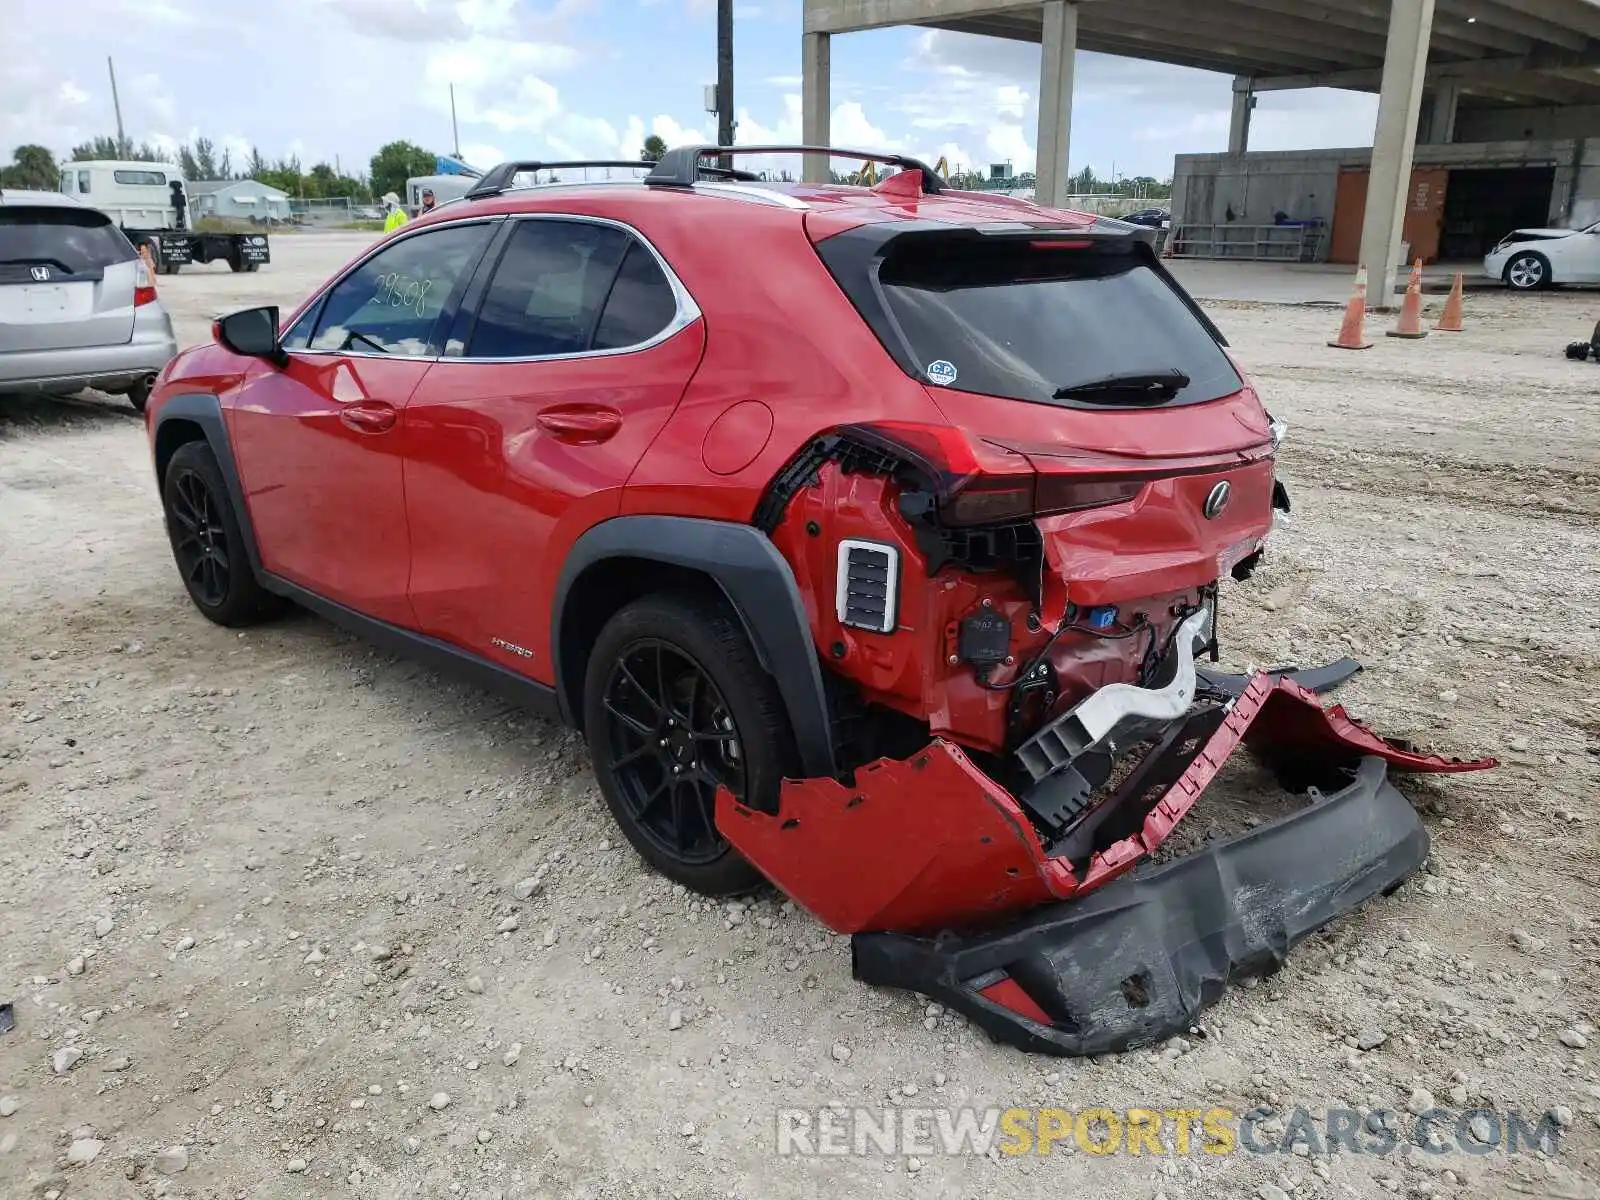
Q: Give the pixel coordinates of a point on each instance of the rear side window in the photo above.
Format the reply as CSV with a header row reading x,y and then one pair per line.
x,y
1025,320
142,178
73,241
641,303
548,290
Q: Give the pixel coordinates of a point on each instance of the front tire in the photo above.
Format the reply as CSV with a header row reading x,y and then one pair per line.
x,y
207,543
138,396
676,705
1528,272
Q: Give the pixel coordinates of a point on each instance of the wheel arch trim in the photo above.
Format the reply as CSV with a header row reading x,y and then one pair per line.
x,y
205,411
752,576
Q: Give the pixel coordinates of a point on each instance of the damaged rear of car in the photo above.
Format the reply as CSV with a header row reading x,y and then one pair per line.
x,y
1014,599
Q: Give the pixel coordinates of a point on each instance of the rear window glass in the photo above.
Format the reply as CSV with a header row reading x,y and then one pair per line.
x,y
1026,320
68,239
147,178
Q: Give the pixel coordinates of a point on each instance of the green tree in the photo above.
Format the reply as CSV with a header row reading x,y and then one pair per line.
x,y
188,164
205,159
103,147
397,162
31,167
653,150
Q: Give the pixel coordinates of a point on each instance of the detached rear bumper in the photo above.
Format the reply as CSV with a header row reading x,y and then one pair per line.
x,y
1136,961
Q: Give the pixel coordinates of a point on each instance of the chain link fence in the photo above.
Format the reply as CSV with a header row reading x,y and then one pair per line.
x,y
334,212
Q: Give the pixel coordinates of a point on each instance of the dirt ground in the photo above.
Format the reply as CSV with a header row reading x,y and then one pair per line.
x,y
262,883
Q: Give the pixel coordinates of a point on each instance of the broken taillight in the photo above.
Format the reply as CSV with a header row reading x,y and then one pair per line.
x,y
974,482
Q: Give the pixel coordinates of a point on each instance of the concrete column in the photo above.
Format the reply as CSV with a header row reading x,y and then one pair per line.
x,y
1442,113
1399,103
816,70
1057,56
1244,103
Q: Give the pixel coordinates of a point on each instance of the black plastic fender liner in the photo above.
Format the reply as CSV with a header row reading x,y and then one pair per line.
x,y
205,411
756,580
1137,960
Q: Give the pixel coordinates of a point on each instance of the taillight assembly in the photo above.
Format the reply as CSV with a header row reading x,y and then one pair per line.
x,y
144,288
978,483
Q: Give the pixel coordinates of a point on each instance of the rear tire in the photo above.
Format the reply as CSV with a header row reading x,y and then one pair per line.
x,y
675,704
207,543
1528,272
138,396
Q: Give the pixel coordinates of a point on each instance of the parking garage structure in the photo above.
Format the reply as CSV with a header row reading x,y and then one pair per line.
x,y
1485,114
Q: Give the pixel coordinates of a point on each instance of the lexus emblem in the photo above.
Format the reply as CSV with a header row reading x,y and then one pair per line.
x,y
40,274
1217,501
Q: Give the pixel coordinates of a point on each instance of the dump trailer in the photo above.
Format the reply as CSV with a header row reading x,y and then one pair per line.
x,y
138,196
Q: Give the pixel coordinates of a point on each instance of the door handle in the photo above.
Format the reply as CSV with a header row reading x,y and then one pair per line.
x,y
583,424
370,416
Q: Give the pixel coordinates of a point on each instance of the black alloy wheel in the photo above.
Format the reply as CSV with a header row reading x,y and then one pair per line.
x,y
200,539
670,743
208,543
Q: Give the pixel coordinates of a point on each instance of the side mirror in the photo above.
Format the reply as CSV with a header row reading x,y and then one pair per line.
x,y
254,331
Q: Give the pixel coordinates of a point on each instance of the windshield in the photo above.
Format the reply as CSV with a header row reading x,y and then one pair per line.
x,y
1033,321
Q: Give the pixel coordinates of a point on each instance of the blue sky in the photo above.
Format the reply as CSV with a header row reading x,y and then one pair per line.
x,y
327,78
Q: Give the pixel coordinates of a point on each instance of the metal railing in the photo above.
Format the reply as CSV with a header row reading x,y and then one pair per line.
x,y
1248,243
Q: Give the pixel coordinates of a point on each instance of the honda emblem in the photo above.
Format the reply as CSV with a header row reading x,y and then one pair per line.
x,y
40,274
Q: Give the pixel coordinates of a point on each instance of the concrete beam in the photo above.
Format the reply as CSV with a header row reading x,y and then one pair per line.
x,y
1580,15
1057,58
816,88
1389,182
1497,14
847,16
1166,38
1231,21
1244,101
1372,16
1505,69
1442,113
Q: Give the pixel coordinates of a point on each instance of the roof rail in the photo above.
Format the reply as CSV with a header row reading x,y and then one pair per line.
x,y
499,179
681,166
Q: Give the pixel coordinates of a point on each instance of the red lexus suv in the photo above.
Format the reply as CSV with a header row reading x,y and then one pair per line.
x,y
869,535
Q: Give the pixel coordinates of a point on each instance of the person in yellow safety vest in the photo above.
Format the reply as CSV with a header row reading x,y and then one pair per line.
x,y
396,215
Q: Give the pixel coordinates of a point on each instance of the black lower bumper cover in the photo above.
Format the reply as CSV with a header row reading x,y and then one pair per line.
x,y
1135,961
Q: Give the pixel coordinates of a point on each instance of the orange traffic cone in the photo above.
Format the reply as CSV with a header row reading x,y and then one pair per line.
x,y
1351,332
1410,323
1450,319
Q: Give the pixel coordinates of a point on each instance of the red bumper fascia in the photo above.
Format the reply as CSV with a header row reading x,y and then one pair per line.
x,y
931,842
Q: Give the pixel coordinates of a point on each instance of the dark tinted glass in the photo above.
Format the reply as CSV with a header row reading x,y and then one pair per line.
x,y
548,289
390,303
1022,321
71,240
641,304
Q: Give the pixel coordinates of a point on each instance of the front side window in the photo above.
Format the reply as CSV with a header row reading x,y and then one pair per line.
x,y
548,290
391,303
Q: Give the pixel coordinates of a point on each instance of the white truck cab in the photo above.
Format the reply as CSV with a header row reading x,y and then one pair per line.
x,y
136,195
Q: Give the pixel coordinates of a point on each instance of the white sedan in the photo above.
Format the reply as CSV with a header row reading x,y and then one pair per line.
x,y
1534,258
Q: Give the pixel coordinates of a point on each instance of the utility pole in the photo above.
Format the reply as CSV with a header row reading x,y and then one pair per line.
x,y
455,133
122,138
725,74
